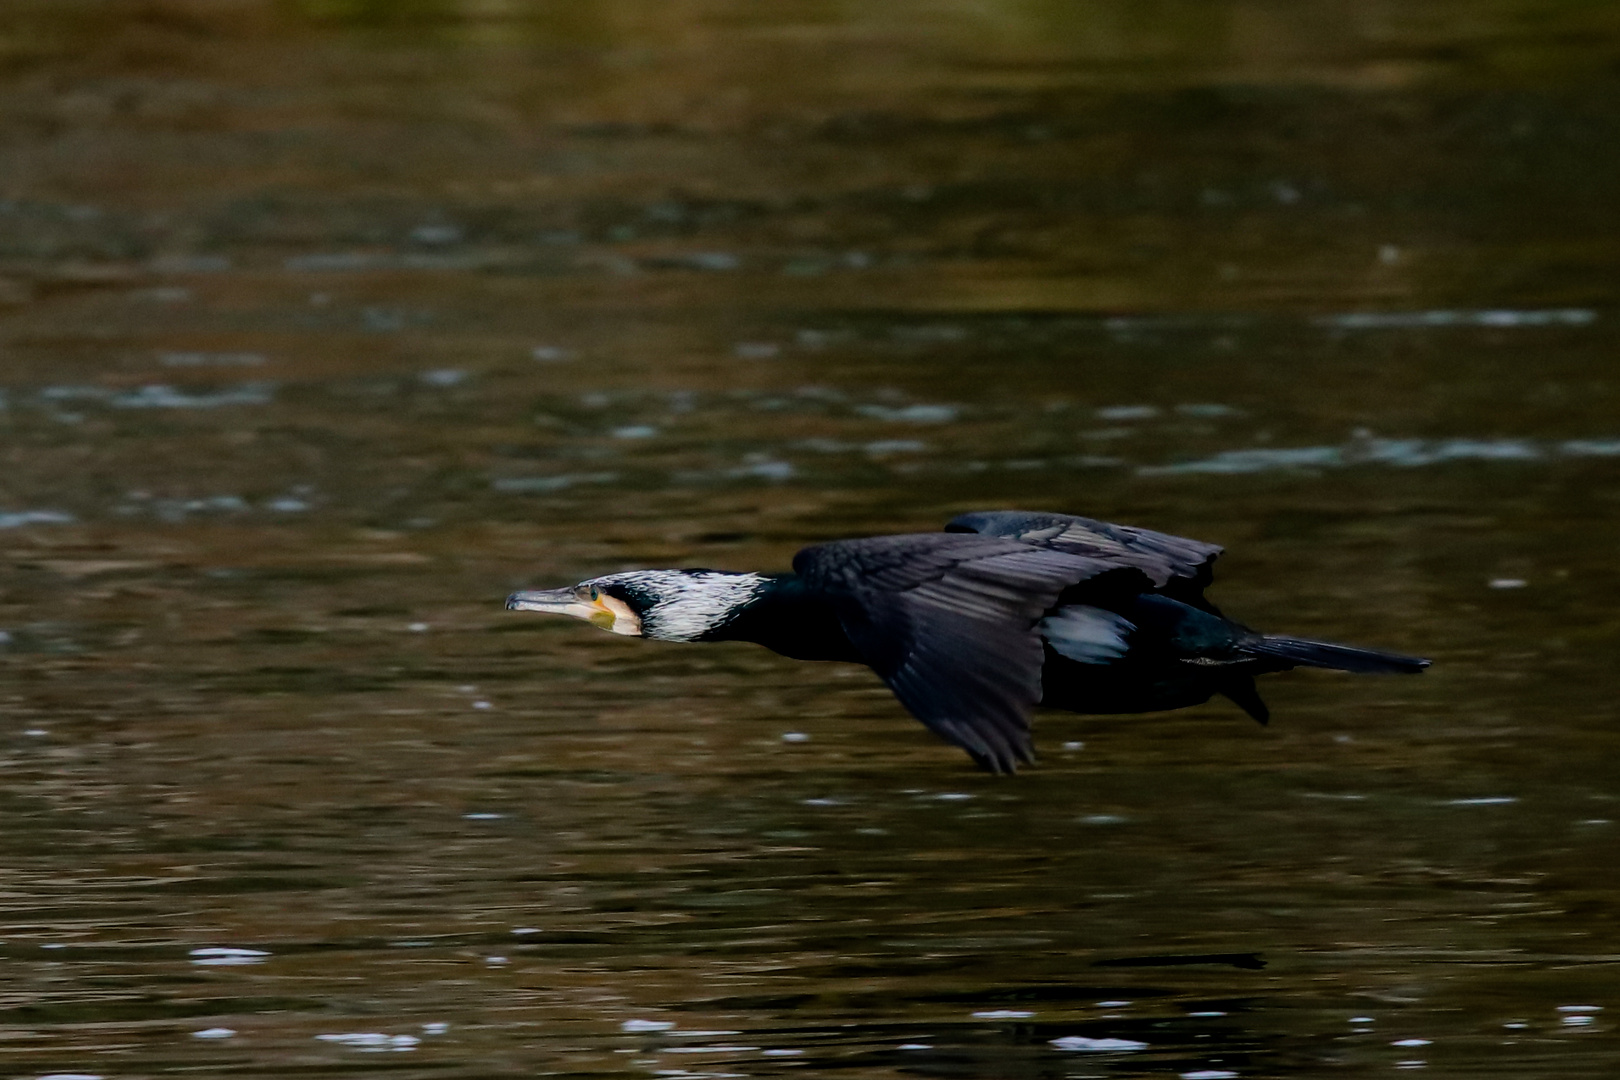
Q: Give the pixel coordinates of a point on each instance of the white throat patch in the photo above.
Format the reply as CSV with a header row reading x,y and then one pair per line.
x,y
684,605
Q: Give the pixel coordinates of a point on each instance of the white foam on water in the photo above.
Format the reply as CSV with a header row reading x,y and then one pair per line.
x,y
223,956
72,393
1207,1012
1081,1044
1365,450
1579,1020
1491,317
16,519
1591,447
71,1076
1003,1014
915,1046
911,414
214,1033
159,396
709,1049
372,1041
1112,1004
1580,1008
765,470
1484,800
646,1025
880,447
522,930
1412,1042
1507,583
1255,460
795,737
435,1027
539,485
1361,1020
437,234
1413,452
953,796
783,1053
1209,1074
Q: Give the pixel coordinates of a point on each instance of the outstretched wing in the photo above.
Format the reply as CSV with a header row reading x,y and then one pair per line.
x,y
1180,567
949,622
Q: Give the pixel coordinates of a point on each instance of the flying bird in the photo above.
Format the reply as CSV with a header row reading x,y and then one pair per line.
x,y
974,626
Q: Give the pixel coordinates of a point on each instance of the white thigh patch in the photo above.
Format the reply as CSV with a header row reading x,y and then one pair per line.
x,y
1090,635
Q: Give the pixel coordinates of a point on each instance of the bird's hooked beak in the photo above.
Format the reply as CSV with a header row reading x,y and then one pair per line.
x,y
581,602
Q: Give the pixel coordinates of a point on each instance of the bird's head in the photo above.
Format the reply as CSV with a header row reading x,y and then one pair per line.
x,y
670,605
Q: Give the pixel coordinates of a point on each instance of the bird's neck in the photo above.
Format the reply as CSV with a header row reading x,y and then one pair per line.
x,y
789,618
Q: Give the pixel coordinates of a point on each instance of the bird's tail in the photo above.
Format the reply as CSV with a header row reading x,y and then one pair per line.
x,y
1302,652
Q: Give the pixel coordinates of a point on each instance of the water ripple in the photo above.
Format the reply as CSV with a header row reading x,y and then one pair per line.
x,y
1496,317
1403,453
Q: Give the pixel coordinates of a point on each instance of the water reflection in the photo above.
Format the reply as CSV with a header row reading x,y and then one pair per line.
x,y
326,324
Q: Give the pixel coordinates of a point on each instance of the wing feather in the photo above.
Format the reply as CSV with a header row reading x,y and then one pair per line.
x,y
948,621
1179,566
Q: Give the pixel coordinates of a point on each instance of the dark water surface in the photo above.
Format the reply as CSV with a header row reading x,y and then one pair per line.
x,y
324,324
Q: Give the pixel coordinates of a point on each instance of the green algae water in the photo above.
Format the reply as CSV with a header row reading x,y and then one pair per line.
x,y
325,324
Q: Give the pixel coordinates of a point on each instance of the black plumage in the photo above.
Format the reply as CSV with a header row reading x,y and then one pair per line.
x,y
973,627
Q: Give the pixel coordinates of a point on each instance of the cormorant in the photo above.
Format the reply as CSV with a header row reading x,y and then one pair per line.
x,y
973,626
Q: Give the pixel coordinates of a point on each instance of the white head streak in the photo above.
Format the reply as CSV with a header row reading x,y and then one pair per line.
x,y
682,605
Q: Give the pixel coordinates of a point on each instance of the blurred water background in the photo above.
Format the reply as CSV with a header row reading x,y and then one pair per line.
x,y
325,323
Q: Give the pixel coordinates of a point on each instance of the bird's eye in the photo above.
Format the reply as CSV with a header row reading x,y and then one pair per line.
x,y
596,594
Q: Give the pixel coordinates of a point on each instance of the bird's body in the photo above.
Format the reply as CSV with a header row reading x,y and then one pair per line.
x,y
973,626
